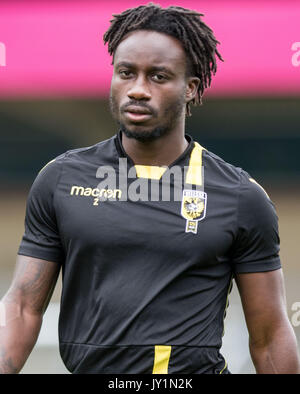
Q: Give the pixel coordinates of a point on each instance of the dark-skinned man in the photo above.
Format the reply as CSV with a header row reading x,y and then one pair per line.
x,y
146,281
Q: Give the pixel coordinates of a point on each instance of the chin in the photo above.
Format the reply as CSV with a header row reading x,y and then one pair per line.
x,y
144,135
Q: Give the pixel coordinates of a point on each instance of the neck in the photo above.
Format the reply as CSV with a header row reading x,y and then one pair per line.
x,y
160,152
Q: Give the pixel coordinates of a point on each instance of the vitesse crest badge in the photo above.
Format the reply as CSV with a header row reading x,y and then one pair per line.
x,y
193,208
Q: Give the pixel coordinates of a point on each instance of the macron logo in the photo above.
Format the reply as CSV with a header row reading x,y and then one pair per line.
x,y
2,55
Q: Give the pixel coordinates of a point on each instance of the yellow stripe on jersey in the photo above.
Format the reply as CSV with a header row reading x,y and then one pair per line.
x,y
194,173
227,302
223,368
161,359
150,172
254,181
51,161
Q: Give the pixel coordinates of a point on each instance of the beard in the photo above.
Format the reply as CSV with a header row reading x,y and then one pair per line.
x,y
171,116
144,135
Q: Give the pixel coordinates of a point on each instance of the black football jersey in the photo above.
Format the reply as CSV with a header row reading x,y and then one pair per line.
x,y
148,254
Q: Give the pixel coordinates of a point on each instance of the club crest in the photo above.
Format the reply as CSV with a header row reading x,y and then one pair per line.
x,y
193,208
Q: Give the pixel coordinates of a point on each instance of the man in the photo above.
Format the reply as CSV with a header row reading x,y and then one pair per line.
x,y
146,281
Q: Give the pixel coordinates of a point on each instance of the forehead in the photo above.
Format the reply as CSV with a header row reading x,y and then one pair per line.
x,y
150,47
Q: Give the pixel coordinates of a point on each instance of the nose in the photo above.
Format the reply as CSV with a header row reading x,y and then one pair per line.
x,y
139,90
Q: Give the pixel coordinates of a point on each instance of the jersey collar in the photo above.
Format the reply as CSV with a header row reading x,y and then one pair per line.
x,y
182,157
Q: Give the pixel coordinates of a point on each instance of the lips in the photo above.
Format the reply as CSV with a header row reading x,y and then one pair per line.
x,y
137,113
134,109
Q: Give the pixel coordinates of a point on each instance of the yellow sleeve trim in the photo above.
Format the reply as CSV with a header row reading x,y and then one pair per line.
x,y
223,368
161,359
254,181
51,161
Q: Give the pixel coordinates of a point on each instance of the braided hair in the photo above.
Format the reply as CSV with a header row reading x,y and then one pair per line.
x,y
186,25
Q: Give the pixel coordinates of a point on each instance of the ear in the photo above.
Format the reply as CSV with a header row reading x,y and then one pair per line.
x,y
191,88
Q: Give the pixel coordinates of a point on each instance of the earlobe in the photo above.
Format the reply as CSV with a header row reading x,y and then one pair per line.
x,y
189,95
192,88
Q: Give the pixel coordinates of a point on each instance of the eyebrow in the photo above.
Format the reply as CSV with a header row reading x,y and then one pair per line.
x,y
124,64
154,68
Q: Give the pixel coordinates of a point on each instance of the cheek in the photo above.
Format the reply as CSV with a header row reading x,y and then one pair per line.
x,y
115,97
173,100
117,87
113,88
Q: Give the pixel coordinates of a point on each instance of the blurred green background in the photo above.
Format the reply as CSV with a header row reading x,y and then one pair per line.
x,y
262,135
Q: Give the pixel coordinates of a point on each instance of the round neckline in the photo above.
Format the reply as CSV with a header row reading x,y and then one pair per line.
x,y
183,155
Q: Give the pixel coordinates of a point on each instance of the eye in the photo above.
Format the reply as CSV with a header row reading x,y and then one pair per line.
x,y
159,77
125,73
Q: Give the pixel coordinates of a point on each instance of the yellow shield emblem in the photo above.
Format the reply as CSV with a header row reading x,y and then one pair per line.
x,y
193,204
193,208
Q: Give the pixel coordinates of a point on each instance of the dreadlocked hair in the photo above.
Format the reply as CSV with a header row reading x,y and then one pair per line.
x,y
186,25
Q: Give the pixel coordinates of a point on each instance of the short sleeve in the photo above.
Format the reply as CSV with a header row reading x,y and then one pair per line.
x,y
257,245
41,238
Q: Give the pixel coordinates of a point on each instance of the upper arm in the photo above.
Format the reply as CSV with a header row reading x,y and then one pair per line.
x,y
257,263
42,238
257,243
263,299
33,284
41,253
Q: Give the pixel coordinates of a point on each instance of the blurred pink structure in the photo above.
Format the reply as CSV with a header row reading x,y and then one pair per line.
x,y
55,48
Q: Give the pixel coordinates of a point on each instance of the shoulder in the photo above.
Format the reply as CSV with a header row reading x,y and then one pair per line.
x,y
49,176
219,173
79,155
223,173
254,202
252,198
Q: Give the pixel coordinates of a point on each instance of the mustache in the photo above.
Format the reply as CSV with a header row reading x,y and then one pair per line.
x,y
140,104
